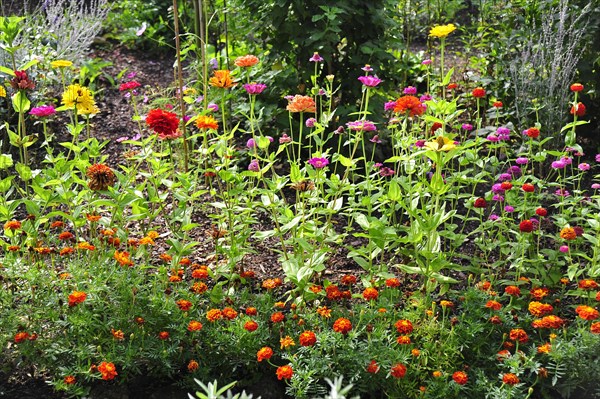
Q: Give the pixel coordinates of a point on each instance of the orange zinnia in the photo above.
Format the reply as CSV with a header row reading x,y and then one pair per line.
x,y
300,103
222,79
207,122
246,61
409,104
568,233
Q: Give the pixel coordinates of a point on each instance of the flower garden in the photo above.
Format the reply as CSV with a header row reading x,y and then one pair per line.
x,y
471,243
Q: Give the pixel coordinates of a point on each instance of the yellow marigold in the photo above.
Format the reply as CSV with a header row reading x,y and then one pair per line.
x,y
446,304
300,103
544,348
123,258
441,31
86,245
207,122
246,61
324,311
286,342
61,64
153,234
2,91
539,309
568,233
146,241
222,79
79,97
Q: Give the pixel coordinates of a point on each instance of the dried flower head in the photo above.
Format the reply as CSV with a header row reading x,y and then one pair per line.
x,y
101,177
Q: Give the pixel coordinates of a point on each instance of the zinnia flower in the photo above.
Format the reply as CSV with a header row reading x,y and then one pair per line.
x,y
478,92
526,226
315,57
318,163
361,126
254,88
246,61
207,122
80,98
441,31
576,87
162,122
369,81
300,103
101,177
127,86
22,81
533,132
441,143
61,64
409,104
2,91
578,109
222,79
43,111
568,233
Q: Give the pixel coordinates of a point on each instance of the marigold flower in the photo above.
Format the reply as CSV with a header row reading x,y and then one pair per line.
x,y
348,279
392,282
246,61
101,177
518,334
13,248
192,366
286,342
544,348
404,326
478,92
117,334
539,309
441,31
123,258
229,313
277,317
324,311
403,340
494,305
342,325
76,297
370,293
373,367
460,377
12,225
251,311
284,372
436,374
164,335
264,353
587,284
184,305
21,337
398,370
213,315
503,354
496,320
250,326
308,338
300,103
200,274
539,293
69,380
510,379
595,328
587,312
194,325
271,283
410,105
512,290
108,370
222,79
198,288
79,98
568,233
207,122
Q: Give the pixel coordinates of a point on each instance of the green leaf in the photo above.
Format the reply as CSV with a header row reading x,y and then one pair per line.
x,y
29,64
394,192
24,171
7,71
20,102
347,162
448,77
6,161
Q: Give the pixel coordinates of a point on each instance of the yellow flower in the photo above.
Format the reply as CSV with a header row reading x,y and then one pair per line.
x,y
61,64
441,31
2,91
81,98
441,144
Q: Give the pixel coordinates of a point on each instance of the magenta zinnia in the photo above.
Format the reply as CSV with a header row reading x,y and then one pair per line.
x,y
42,111
318,163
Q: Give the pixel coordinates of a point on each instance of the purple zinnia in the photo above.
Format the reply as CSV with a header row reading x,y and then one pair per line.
x,y
493,217
318,163
285,139
213,107
410,90
558,164
584,166
503,133
316,57
597,157
467,126
521,161
369,81
375,139
425,97
365,126
426,62
595,186
251,143
42,111
310,122
254,166
420,143
254,88
385,172
509,209
367,68
389,106
504,177
564,249
493,138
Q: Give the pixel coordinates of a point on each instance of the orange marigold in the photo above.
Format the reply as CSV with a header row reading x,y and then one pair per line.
x,y
410,105
544,348
222,79
184,305
251,311
539,309
251,325
207,122
229,313
300,103
192,366
373,367
539,293
595,328
392,282
587,312
277,317
70,380
108,370
403,340
494,305
284,372
460,377
21,337
398,370
76,297
199,288
510,379
264,353
12,225
246,61
308,338
213,315
512,290
194,325
324,311
342,325
588,284
123,258
551,322
518,334
164,335
286,342
370,293
65,235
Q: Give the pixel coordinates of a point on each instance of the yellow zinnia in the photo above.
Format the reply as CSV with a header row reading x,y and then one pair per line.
x,y
61,64
441,31
79,97
441,144
2,91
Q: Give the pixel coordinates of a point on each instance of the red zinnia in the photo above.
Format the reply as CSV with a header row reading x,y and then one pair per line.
x,y
526,226
576,87
528,187
578,109
162,122
129,86
480,203
541,212
533,132
478,92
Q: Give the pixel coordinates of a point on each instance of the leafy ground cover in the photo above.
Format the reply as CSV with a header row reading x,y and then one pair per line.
x,y
442,252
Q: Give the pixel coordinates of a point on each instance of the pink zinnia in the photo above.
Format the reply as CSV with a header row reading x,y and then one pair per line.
x,y
254,88
42,111
365,126
369,81
129,86
318,163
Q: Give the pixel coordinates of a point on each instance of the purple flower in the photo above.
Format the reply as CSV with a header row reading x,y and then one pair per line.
x,y
254,88
509,209
375,139
339,130
410,90
367,68
254,166
316,57
213,63
584,166
597,157
497,189
493,217
426,62
493,138
561,192
270,138
251,143
186,118
504,177
498,197
213,107
503,133
365,126
285,139
121,139
385,172
318,163
425,97
420,143
595,186
321,92
42,111
564,249
289,98
389,106
310,122
136,137
369,81
377,165
514,170
467,126
131,75
558,164
567,160
521,161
